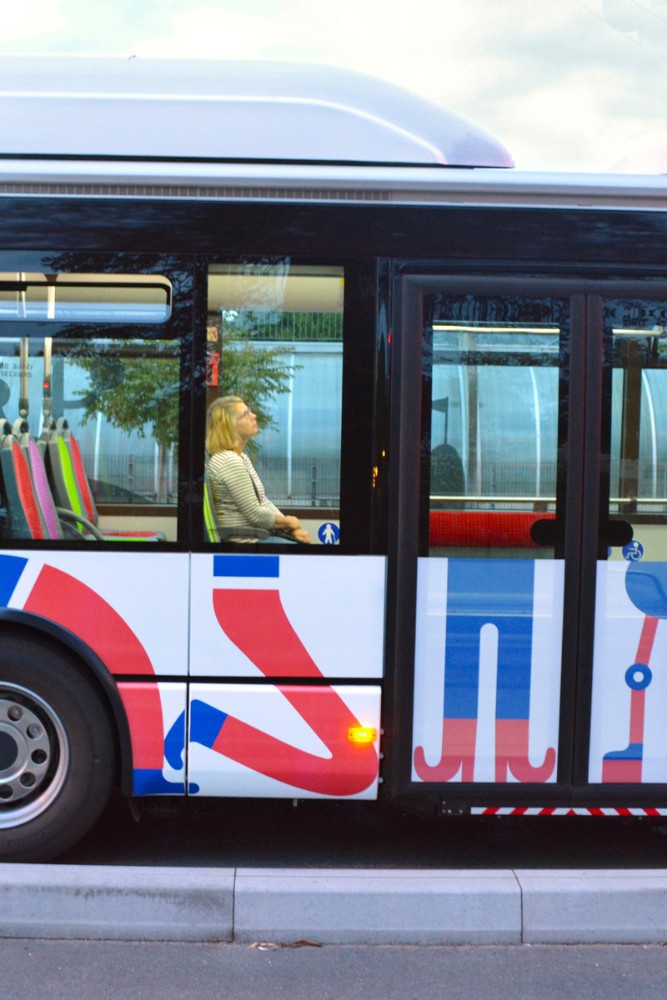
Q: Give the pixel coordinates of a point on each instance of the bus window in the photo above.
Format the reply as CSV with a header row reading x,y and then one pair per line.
x,y
491,423
637,333
95,421
275,341
84,298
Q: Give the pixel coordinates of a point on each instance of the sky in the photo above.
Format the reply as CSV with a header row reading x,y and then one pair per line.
x,y
564,84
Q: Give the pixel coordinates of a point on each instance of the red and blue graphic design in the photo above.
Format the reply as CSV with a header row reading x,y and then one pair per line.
x,y
247,608
250,612
61,598
494,599
646,586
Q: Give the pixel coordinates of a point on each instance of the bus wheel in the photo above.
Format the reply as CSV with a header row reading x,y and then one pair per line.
x,y
57,750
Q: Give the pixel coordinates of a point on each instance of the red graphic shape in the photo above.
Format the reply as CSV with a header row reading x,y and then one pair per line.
x,y
65,600
144,715
512,753
458,751
68,602
627,768
256,623
458,743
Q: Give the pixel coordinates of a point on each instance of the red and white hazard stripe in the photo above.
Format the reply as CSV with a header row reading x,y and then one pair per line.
x,y
562,811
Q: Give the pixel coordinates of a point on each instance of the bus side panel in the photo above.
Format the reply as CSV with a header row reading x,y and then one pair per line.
x,y
487,670
628,733
289,740
287,616
156,717
285,625
129,608
131,611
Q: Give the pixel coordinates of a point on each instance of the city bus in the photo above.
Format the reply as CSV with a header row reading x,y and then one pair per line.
x,y
460,372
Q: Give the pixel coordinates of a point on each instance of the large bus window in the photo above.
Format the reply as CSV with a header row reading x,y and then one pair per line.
x,y
491,423
275,341
637,333
89,438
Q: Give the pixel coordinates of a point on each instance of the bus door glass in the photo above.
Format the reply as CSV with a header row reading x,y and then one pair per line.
x,y
490,579
628,734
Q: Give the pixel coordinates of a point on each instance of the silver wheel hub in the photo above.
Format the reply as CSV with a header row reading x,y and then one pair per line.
x,y
34,755
25,751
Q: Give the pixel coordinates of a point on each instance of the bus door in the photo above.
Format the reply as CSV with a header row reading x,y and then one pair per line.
x,y
492,390
628,737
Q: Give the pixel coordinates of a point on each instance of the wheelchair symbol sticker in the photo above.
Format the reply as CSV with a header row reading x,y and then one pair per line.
x,y
329,533
633,551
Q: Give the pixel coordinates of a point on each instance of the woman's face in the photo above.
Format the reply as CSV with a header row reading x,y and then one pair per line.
x,y
245,422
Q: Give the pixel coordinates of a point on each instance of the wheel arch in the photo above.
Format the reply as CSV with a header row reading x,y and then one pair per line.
x,y
105,681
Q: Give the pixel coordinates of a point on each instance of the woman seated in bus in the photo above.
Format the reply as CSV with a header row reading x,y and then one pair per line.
x,y
245,514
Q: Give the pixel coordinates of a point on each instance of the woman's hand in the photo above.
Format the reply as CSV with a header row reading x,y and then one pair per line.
x,y
289,523
286,522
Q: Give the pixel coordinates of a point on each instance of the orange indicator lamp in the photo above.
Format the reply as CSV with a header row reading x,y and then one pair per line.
x,y
362,734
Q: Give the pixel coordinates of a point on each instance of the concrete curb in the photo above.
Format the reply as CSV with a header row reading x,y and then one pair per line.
x,y
341,906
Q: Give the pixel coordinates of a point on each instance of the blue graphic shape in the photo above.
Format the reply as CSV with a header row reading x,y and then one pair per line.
x,y
634,751
329,533
174,743
633,551
646,586
205,723
151,782
496,592
11,568
266,567
638,676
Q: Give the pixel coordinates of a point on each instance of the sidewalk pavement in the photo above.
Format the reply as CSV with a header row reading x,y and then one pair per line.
x,y
333,906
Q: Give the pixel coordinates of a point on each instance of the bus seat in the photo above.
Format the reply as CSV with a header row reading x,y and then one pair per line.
x,y
43,490
24,518
31,508
447,476
211,525
71,487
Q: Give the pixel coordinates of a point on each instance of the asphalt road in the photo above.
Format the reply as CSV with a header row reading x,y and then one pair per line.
x,y
321,834
91,970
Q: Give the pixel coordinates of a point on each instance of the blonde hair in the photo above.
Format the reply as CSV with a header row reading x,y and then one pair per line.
x,y
220,425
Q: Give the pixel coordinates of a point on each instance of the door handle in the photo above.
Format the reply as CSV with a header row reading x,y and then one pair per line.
x,y
616,534
546,531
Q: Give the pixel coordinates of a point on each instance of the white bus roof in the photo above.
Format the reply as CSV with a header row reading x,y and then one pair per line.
x,y
107,108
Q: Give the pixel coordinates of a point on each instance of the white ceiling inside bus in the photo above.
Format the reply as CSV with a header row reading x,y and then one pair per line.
x,y
227,110
314,292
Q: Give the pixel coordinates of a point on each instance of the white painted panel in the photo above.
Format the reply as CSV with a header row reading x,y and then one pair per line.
x,y
621,642
334,605
307,741
498,719
132,605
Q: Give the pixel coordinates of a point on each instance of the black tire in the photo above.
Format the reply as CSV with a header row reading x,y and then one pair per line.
x,y
57,749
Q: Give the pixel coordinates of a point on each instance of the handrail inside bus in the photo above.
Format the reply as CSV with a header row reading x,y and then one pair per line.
x,y
484,528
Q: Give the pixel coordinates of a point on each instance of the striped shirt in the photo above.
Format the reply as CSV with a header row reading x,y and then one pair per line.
x,y
238,494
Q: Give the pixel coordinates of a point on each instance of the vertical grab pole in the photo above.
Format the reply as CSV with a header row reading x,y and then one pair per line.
x,y
47,401
24,354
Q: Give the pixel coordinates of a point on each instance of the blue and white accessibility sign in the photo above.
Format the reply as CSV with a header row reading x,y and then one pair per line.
x,y
633,551
329,533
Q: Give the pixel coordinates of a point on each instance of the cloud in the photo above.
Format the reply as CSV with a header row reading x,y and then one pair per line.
x,y
29,23
570,82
